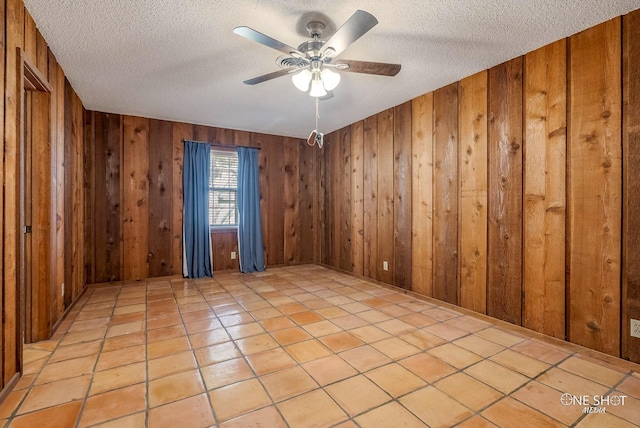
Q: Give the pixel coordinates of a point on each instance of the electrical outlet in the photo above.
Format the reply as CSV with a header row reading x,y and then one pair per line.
x,y
635,328
385,265
233,255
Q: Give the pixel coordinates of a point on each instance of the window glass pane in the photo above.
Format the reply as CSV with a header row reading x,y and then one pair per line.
x,y
223,188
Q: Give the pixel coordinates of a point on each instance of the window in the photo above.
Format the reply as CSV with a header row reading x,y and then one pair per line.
x,y
223,189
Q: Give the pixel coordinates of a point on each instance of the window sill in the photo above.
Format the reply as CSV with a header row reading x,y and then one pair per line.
x,y
223,229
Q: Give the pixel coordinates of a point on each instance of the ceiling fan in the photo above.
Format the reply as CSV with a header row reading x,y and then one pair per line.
x,y
313,64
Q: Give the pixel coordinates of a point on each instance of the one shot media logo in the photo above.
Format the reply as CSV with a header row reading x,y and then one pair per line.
x,y
592,403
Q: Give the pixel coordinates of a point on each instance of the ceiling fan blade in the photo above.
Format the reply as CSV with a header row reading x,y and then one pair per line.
x,y
268,76
379,68
355,27
263,39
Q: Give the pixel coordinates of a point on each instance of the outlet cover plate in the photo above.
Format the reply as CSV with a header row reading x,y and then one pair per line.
x,y
635,328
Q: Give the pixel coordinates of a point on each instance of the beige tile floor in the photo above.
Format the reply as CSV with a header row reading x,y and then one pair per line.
x,y
303,347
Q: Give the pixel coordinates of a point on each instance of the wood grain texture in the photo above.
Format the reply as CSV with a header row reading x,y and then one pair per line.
x,y
222,244
402,193
386,197
160,198
30,38
135,199
274,234
108,216
79,277
75,274
472,125
59,95
336,199
307,189
42,55
4,331
10,222
291,202
331,252
323,199
504,294
343,209
445,194
631,184
370,262
89,193
40,219
319,213
422,194
181,131
55,297
29,263
543,307
3,327
595,181
357,197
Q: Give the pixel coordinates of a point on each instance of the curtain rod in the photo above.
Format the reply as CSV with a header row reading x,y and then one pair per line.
x,y
219,145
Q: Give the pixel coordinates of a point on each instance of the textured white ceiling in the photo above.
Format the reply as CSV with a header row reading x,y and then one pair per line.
x,y
179,59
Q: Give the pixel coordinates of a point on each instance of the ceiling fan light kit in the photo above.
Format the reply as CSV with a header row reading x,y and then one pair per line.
x,y
312,62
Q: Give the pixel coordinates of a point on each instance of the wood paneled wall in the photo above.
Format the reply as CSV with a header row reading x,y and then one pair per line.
x,y
134,171
56,155
504,192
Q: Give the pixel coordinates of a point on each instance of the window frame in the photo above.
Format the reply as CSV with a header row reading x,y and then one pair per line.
x,y
222,228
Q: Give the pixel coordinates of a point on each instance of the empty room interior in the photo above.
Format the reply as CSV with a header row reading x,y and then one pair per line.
x,y
303,214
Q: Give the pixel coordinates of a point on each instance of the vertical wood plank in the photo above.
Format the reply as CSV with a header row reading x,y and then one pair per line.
x,y
291,202
89,193
343,232
422,194
108,218
357,197
319,161
274,236
402,194
370,267
136,197
10,221
545,157
160,198
504,294
4,24
323,188
80,279
59,95
445,194
30,37
472,163
386,197
594,193
42,55
307,168
54,290
181,131
333,197
631,185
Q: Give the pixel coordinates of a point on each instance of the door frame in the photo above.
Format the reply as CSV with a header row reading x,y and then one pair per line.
x,y
31,79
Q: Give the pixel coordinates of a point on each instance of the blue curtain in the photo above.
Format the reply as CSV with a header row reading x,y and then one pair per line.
x,y
196,237
250,247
